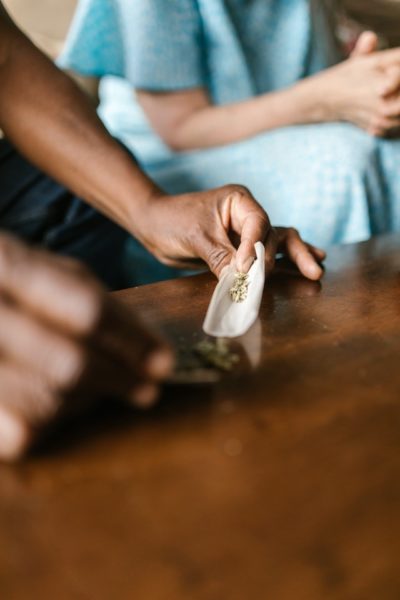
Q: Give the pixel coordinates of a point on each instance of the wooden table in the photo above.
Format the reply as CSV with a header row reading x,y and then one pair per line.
x,y
283,483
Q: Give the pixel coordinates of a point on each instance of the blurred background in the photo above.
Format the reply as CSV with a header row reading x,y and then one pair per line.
x,y
47,21
383,16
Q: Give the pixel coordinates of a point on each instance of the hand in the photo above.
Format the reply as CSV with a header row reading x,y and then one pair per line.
x,y
220,227
364,90
63,342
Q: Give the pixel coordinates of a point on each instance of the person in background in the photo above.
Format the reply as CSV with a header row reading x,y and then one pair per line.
x,y
204,91
63,340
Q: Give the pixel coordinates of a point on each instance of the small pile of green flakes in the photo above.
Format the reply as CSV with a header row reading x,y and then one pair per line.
x,y
216,354
240,288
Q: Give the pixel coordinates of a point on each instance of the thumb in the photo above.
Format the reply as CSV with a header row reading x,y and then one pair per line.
x,y
366,44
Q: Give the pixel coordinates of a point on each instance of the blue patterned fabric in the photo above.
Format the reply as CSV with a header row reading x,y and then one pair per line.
x,y
332,181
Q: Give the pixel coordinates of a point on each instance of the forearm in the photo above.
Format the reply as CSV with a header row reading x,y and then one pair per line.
x,y
88,84
51,122
219,125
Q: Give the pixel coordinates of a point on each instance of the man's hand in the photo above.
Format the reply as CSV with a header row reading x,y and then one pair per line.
x,y
220,227
63,343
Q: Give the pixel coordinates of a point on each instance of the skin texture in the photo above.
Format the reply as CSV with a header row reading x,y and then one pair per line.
x,y
63,340
65,343
363,90
66,139
231,220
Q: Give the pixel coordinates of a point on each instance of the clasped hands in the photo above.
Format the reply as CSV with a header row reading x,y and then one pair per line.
x,y
364,89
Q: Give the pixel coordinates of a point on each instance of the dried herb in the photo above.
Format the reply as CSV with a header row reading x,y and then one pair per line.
x,y
240,288
216,354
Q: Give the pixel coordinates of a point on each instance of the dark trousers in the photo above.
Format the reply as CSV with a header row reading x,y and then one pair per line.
x,y
42,212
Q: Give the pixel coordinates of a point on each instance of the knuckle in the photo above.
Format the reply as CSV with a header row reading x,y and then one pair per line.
x,y
375,124
44,403
293,232
216,258
259,213
71,366
385,112
90,305
238,191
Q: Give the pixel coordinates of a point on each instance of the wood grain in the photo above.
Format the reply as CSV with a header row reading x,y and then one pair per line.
x,y
282,483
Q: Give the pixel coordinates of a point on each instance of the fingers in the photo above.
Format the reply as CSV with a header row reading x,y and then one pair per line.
x,y
271,247
384,126
391,106
159,364
245,255
128,340
68,298
303,255
26,395
387,118
367,43
391,82
67,364
24,402
217,252
255,228
14,436
64,296
249,221
130,351
387,58
39,349
64,343
318,253
31,396
144,396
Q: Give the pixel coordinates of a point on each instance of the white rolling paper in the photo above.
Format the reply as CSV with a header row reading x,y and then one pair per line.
x,y
226,318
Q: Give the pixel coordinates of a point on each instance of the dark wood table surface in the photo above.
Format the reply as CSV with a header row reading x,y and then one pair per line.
x,y
280,483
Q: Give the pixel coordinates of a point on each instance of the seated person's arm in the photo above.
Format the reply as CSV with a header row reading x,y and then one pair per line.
x,y
89,85
45,115
363,90
54,125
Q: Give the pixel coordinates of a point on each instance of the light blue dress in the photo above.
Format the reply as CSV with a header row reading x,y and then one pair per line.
x,y
333,182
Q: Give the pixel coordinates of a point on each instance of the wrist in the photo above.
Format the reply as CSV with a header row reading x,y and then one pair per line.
x,y
317,100
141,203
128,194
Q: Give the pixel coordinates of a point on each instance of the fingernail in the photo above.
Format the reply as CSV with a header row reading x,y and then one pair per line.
x,y
144,396
13,436
160,364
